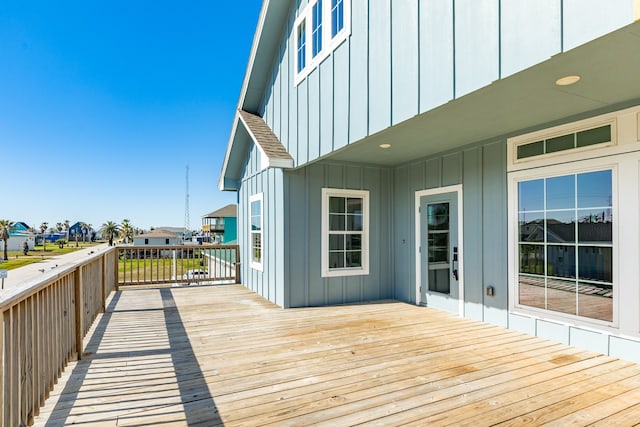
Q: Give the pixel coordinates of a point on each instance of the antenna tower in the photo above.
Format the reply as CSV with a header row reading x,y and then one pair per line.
x,y
187,222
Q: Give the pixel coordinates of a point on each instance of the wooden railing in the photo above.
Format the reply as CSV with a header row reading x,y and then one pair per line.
x,y
42,326
152,265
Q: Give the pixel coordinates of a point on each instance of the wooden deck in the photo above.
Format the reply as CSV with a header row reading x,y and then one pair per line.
x,y
221,355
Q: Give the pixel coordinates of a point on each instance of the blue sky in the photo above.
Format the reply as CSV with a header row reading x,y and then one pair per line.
x,y
104,103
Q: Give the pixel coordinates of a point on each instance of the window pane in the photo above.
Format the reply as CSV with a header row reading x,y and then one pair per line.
x,y
532,259
336,242
561,261
354,259
531,195
317,27
302,42
438,216
337,204
595,225
255,208
354,222
595,263
439,280
561,226
532,291
439,247
561,296
594,189
337,17
561,192
594,136
336,222
595,301
560,143
531,227
255,223
530,150
354,206
354,241
336,259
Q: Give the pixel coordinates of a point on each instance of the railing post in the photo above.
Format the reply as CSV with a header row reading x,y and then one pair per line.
x,y
116,275
237,264
104,282
2,368
79,310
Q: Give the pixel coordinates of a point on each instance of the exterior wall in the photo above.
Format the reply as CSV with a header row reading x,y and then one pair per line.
x,y
303,194
270,282
481,170
406,57
15,243
230,229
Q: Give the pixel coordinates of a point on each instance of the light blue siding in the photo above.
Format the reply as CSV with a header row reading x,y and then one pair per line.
x,y
304,194
340,90
436,53
476,44
359,71
518,21
313,144
379,65
326,106
586,20
303,123
404,60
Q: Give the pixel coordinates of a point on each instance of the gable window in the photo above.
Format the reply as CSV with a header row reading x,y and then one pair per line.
x,y
319,29
166,241
301,45
337,17
345,232
255,226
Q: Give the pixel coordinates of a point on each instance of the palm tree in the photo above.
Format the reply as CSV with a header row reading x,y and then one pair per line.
x,y
127,230
85,229
43,228
59,227
67,225
5,228
110,230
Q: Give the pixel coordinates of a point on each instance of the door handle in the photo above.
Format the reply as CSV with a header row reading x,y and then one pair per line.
x,y
454,263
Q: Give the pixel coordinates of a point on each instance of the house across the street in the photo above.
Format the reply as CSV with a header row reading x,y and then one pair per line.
x,y
480,157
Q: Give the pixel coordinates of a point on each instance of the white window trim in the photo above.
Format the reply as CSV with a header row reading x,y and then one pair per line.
x,y
347,271
257,265
329,43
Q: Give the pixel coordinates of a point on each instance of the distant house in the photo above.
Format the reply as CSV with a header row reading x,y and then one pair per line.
x,y
478,157
221,226
76,230
17,239
157,238
181,231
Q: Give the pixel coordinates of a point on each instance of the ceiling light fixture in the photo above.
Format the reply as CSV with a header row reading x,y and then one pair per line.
x,y
385,146
567,80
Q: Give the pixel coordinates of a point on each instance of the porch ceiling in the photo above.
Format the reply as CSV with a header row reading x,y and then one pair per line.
x,y
526,101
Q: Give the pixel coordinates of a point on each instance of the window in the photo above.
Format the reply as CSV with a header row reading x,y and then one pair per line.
x,y
166,241
565,244
317,28
345,232
301,45
584,138
255,226
146,241
337,17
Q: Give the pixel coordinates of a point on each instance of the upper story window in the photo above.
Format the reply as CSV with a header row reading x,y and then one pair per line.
x,y
317,28
255,225
301,45
325,24
337,17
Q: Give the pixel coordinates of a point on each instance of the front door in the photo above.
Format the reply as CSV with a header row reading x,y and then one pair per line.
x,y
440,251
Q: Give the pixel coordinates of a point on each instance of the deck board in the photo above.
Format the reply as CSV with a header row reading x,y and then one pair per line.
x,y
221,355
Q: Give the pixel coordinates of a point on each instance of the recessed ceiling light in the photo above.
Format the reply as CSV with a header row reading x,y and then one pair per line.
x,y
567,80
384,146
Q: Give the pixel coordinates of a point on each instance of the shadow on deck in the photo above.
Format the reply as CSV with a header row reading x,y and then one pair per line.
x,y
214,355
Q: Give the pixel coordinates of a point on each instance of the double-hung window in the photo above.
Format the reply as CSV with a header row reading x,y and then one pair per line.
x,y
255,227
321,26
345,232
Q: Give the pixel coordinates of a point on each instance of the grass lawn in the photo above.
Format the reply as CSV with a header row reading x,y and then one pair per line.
x,y
17,259
154,268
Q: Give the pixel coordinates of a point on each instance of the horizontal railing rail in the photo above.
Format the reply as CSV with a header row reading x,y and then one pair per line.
x,y
178,264
42,325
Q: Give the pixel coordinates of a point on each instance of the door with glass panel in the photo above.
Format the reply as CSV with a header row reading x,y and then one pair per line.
x,y
439,251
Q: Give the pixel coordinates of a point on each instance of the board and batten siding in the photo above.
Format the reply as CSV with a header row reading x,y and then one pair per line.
x,y
406,57
482,172
303,195
269,282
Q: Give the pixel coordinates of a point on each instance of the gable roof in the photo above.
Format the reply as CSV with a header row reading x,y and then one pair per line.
x,y
272,22
158,233
226,212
